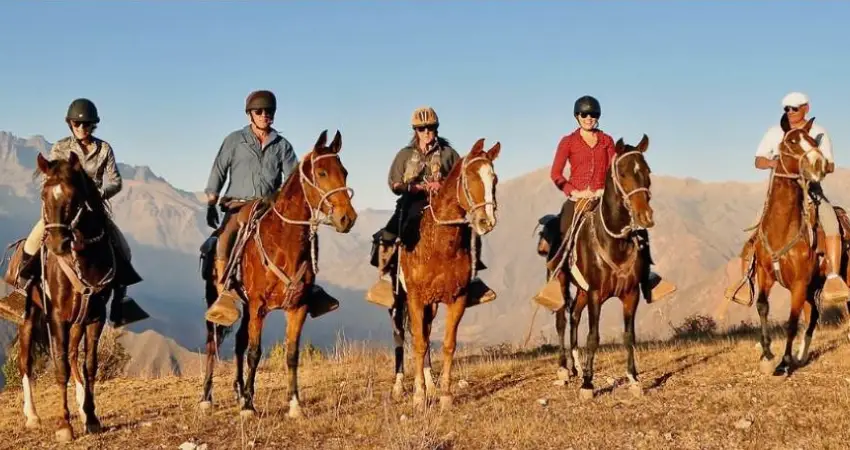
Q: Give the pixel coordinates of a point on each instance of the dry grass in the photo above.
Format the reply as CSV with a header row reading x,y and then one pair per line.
x,y
694,395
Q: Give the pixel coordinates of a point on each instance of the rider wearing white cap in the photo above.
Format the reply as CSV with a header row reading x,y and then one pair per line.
x,y
796,106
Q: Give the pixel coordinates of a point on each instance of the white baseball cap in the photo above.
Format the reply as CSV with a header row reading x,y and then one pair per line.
x,y
795,99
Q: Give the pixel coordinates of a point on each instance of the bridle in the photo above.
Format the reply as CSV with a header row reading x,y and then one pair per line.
x,y
626,196
317,217
798,157
464,192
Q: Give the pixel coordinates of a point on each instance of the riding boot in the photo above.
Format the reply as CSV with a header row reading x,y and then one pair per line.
x,y
834,290
320,302
655,288
478,293
225,310
124,310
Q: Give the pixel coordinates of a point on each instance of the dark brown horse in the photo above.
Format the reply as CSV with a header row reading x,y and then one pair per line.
x,y
78,266
437,266
786,245
278,265
607,253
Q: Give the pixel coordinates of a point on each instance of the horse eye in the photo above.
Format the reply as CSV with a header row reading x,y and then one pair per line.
x,y
323,173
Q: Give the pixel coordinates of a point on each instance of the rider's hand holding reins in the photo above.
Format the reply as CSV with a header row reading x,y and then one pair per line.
x,y
212,216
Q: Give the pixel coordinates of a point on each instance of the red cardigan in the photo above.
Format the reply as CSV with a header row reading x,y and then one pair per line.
x,y
588,166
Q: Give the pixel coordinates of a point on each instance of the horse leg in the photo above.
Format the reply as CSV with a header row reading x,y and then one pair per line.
x,y
294,324
76,335
561,327
798,299
766,364
255,331
810,308
93,332
239,355
26,351
594,307
430,314
397,314
60,331
416,311
213,344
630,304
454,314
576,308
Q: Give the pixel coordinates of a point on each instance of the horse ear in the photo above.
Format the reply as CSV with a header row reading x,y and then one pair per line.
x,y
808,126
74,161
42,163
336,144
493,153
323,138
643,145
618,147
477,147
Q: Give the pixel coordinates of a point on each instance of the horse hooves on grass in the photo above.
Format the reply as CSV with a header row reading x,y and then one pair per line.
x,y
64,435
247,414
205,405
94,428
32,423
585,394
398,392
636,390
418,400
767,366
563,374
295,411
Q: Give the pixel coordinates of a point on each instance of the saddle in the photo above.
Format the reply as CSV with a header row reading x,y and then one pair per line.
x,y
550,241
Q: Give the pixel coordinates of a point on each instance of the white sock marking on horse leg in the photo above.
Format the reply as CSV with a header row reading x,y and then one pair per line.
x,y
487,176
29,405
81,399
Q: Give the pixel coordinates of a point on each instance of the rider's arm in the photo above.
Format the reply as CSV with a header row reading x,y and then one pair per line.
x,y
289,163
825,146
395,179
218,173
112,182
562,154
766,151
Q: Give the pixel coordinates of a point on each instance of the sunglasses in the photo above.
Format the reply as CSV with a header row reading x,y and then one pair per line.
x,y
259,112
424,129
84,125
585,115
792,108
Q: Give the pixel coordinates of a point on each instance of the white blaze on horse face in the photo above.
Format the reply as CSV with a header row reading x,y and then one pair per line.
x,y
57,192
487,177
813,154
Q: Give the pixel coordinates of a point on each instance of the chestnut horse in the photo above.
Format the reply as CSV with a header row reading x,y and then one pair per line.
x,y
785,245
438,266
607,254
78,267
279,265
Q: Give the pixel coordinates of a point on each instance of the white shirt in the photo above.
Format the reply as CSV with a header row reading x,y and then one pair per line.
x,y
769,145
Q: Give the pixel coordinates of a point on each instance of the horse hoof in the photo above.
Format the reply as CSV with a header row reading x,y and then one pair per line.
x,y
563,374
585,394
295,410
33,422
398,392
766,366
636,390
64,435
445,403
94,428
247,414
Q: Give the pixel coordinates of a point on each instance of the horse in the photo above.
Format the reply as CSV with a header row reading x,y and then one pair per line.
x,y
607,261
786,246
279,264
437,260
78,270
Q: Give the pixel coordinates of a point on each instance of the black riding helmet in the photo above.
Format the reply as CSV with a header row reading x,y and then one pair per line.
x,y
82,110
587,104
260,100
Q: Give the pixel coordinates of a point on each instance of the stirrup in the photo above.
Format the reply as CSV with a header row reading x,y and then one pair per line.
x,y
129,312
225,311
320,302
381,293
13,307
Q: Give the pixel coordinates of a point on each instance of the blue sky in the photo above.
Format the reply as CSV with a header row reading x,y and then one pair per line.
x,y
703,80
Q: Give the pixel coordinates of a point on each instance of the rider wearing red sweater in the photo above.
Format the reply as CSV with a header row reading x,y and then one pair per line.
x,y
590,152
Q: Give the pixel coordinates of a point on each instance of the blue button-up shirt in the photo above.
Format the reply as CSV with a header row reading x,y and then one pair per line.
x,y
255,170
